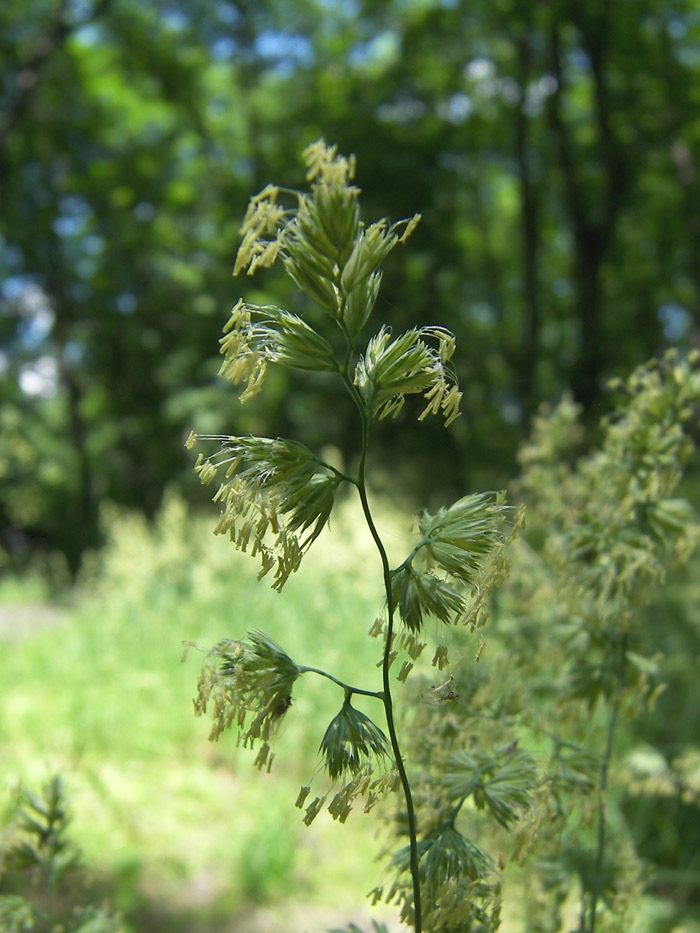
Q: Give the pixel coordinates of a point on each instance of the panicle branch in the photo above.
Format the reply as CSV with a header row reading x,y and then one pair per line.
x,y
249,684
459,558
272,492
391,369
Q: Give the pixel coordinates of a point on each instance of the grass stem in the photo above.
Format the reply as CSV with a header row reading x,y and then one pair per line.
x,y
387,698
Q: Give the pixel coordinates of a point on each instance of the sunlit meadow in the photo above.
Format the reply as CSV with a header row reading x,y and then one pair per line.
x,y
174,829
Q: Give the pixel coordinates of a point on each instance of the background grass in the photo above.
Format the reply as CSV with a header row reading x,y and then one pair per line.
x,y
180,833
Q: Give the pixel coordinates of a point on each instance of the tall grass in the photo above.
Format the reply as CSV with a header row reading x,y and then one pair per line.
x,y
103,699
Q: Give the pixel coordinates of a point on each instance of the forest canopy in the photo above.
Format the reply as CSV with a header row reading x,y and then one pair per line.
x,y
552,150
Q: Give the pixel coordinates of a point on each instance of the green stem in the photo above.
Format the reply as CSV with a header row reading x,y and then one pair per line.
x,y
409,560
603,784
334,470
386,693
454,813
346,687
353,392
386,696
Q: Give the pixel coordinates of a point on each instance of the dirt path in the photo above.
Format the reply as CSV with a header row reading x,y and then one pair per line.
x,y
17,620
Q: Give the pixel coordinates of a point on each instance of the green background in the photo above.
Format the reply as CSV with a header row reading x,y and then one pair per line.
x,y
552,149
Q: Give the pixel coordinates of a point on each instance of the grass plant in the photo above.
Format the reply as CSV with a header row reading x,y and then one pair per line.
x,y
610,529
276,496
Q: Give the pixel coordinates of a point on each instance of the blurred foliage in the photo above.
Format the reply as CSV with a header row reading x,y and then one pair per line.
x,y
39,846
551,148
574,731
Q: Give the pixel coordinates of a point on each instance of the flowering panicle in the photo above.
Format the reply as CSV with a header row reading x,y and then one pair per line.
x,y
255,336
351,747
462,553
264,218
272,492
362,786
327,251
458,879
249,684
392,369
615,553
418,593
501,781
326,167
460,539
276,496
